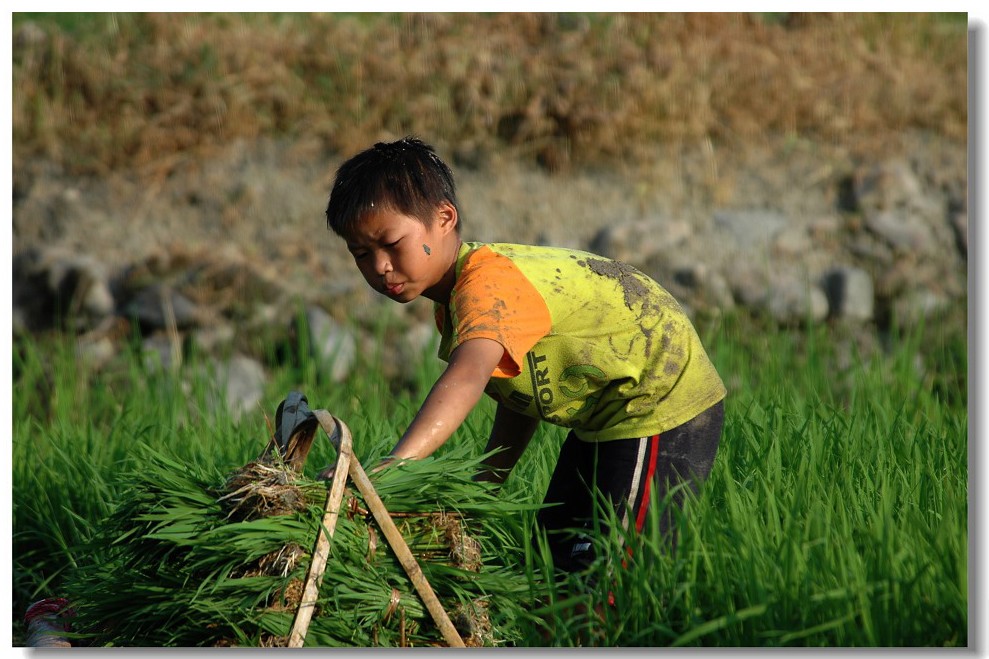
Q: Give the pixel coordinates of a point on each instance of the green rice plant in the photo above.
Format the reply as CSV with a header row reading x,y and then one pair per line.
x,y
836,513
833,516
856,547
171,567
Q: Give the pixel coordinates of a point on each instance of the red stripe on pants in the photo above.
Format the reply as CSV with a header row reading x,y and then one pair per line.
x,y
640,518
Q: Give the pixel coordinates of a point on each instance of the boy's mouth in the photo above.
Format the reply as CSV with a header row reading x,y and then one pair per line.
x,y
394,289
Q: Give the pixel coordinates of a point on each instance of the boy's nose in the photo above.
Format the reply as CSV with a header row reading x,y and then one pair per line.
x,y
382,264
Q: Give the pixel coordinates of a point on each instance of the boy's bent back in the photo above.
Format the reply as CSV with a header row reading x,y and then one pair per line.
x,y
591,343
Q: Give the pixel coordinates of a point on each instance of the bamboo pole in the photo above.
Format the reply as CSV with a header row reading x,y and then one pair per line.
x,y
395,539
321,552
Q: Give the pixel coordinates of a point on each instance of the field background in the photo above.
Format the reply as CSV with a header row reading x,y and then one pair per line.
x,y
837,513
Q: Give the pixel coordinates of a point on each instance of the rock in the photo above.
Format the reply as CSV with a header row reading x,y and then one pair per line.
x,y
236,280
635,241
867,247
825,229
160,353
265,314
205,286
917,305
748,283
100,345
885,186
909,273
213,339
558,237
850,293
705,286
19,325
791,300
331,344
718,289
97,353
52,285
157,307
792,242
242,381
97,347
902,231
749,230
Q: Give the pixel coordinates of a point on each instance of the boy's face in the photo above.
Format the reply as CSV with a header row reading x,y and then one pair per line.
x,y
402,258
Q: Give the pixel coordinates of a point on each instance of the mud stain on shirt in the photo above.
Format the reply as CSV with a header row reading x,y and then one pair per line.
x,y
635,291
627,277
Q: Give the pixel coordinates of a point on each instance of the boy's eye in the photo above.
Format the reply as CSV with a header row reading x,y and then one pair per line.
x,y
392,244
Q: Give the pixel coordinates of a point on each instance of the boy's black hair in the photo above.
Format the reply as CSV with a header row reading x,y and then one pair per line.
x,y
405,175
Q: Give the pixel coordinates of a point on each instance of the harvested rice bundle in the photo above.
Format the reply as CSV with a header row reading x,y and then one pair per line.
x,y
193,557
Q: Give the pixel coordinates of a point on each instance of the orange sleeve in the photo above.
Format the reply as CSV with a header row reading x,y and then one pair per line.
x,y
494,300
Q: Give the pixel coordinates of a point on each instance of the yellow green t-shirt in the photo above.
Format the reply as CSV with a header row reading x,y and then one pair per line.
x,y
590,343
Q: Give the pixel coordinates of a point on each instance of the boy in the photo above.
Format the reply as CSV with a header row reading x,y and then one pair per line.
x,y
551,334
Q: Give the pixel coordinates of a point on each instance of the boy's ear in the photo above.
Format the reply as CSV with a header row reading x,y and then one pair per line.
x,y
446,216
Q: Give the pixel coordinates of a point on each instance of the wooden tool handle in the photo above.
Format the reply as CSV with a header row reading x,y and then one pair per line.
x,y
395,539
405,557
340,437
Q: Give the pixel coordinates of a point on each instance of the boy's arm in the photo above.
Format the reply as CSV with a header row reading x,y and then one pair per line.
x,y
511,432
452,397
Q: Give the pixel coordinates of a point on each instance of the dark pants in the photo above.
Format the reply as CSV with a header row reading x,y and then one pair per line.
x,y
628,472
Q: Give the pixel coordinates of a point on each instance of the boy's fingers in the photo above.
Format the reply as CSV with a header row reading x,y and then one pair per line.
x,y
327,473
386,461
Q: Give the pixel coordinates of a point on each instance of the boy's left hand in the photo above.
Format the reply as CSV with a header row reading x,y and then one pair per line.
x,y
328,473
449,401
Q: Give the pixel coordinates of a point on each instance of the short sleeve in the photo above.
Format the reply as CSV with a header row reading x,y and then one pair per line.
x,y
493,299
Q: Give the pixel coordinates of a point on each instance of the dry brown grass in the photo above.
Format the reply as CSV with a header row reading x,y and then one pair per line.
x,y
149,90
